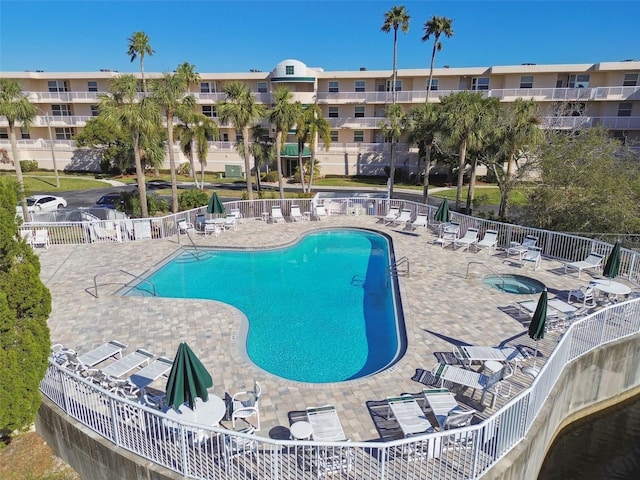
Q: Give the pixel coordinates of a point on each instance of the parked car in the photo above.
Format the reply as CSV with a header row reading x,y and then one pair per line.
x,y
42,204
110,200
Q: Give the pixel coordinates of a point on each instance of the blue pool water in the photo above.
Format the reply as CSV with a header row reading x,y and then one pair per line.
x,y
518,284
321,310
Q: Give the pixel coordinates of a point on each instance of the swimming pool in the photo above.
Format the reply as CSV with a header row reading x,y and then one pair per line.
x,y
518,284
321,310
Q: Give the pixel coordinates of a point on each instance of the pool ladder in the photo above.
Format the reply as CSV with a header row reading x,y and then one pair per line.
x,y
487,267
399,268
126,284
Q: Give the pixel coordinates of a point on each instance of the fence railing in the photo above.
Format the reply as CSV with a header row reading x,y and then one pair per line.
x,y
202,452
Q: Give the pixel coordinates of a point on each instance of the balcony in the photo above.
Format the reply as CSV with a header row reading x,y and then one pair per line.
x,y
355,122
611,123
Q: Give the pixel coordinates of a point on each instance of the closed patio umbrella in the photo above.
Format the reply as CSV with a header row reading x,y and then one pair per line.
x,y
612,266
442,214
536,329
215,205
188,379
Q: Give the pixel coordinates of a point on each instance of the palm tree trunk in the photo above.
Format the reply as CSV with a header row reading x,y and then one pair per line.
x,y
433,58
461,163
16,163
300,166
427,167
192,163
313,161
172,164
279,163
392,169
395,73
142,186
247,163
472,186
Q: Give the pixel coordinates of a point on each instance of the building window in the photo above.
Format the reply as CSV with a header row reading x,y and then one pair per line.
x,y
262,87
380,87
360,86
358,135
61,110
620,136
526,81
225,137
58,86
95,110
333,112
630,80
398,85
288,70
92,86
624,109
334,135
24,133
358,112
434,84
209,111
4,133
480,83
208,87
334,87
578,81
64,133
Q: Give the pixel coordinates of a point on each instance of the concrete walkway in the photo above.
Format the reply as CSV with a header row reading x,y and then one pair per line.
x,y
441,308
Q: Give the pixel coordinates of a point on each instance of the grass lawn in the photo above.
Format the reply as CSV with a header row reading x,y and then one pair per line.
x,y
45,182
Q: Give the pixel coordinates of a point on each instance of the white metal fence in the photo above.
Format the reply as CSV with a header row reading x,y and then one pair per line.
x,y
216,453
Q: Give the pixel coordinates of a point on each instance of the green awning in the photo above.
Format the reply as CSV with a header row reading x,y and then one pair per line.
x,y
291,150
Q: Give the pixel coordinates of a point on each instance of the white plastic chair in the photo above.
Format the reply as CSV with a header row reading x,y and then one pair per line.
x,y
490,240
245,405
276,214
584,294
41,239
391,215
422,220
470,238
296,215
533,255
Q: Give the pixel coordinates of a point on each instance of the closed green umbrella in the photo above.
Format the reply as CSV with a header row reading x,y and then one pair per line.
x,y
188,379
215,205
536,329
442,214
612,266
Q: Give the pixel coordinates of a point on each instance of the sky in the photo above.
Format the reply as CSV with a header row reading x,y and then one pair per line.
x,y
239,35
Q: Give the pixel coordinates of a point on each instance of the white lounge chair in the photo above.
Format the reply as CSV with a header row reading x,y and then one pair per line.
x,y
236,213
241,446
127,363
516,248
41,238
585,295
230,222
185,227
103,352
212,229
27,236
471,379
276,214
296,215
422,220
391,215
326,427
470,238
593,261
556,310
245,405
320,212
146,375
448,412
490,240
404,217
409,415
476,353
448,234
533,255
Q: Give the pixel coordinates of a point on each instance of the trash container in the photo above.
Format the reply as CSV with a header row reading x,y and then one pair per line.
x,y
372,208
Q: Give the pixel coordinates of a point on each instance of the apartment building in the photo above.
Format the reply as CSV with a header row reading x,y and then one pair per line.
x,y
570,96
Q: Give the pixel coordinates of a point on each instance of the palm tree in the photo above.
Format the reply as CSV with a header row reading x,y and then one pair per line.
x,y
319,127
169,94
392,128
436,27
188,73
461,113
16,108
261,148
423,124
283,116
241,109
395,18
518,130
139,46
194,134
140,118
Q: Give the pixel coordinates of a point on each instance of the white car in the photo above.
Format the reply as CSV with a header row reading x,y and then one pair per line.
x,y
42,203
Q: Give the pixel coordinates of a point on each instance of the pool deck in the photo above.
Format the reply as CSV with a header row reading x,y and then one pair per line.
x,y
441,308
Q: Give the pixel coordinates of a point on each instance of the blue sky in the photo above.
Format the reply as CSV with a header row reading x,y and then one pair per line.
x,y
235,36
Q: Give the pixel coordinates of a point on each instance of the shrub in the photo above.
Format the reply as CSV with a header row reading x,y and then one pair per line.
x,y
29,165
270,177
25,304
131,204
193,198
184,169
